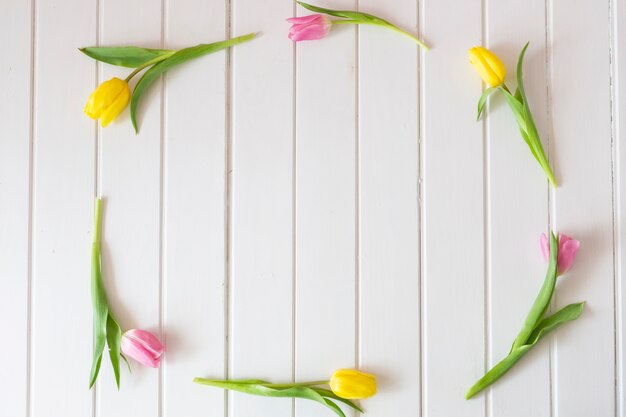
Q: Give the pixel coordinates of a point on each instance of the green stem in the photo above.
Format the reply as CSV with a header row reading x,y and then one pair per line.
x,y
299,384
388,26
149,63
97,221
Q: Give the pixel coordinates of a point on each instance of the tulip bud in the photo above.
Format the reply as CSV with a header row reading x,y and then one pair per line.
x,y
488,65
306,28
108,101
352,384
143,347
568,248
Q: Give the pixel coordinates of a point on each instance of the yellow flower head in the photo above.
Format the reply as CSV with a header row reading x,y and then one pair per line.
x,y
488,65
352,384
108,101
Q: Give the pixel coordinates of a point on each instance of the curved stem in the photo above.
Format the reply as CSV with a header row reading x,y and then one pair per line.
x,y
149,63
298,384
388,26
97,221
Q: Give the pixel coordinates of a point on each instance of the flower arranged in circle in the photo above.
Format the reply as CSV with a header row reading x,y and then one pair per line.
x,y
317,26
307,28
345,385
108,101
143,347
568,248
493,72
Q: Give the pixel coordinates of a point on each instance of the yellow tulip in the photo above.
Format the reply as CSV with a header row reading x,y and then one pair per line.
x,y
488,65
108,101
352,384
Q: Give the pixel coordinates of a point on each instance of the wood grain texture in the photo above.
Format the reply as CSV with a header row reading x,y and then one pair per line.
x,y
583,208
326,206
517,211
15,175
261,258
63,195
453,261
389,230
194,219
130,182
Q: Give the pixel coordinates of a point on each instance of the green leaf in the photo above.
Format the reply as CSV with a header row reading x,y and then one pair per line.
x,y
114,339
125,56
497,371
361,17
99,303
329,394
180,57
568,313
545,326
483,99
261,390
542,301
516,107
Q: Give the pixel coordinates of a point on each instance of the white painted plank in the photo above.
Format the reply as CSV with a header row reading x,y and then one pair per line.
x,y
15,108
63,191
452,222
261,337
619,120
580,106
518,210
130,182
325,205
194,241
389,210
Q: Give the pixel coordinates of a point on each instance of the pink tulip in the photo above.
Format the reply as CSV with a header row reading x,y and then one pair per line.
x,y
143,347
568,248
307,28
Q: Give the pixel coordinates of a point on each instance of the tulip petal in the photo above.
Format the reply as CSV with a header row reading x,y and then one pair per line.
x,y
545,246
568,249
104,96
304,19
143,347
115,108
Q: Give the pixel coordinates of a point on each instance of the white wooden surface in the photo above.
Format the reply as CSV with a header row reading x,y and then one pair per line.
x,y
288,210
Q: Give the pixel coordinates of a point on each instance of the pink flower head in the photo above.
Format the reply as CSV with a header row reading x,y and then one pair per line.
x,y
308,28
143,347
568,248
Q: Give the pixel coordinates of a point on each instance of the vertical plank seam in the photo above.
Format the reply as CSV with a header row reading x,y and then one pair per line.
x,y
96,168
294,283
423,400
487,307
162,213
357,204
418,56
31,179
551,203
227,201
615,171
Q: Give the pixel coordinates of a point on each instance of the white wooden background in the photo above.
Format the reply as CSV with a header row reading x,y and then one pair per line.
x,y
289,210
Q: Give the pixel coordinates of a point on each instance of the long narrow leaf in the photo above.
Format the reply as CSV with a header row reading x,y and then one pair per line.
x,y
483,100
125,56
180,57
497,371
114,339
568,313
545,326
542,301
329,394
363,17
98,299
262,390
